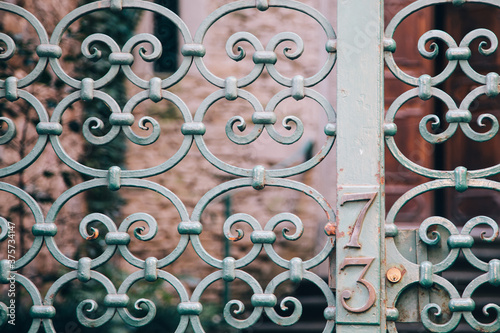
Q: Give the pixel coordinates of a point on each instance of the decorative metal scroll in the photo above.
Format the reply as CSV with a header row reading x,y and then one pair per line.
x,y
49,130
427,274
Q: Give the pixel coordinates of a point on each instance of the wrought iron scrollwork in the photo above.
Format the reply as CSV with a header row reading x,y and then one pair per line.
x,y
121,118
427,274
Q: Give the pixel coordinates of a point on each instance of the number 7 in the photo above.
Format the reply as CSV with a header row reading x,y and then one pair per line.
x,y
354,240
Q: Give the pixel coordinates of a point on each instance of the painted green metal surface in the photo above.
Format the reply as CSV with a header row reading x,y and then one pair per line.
x,y
359,244
370,267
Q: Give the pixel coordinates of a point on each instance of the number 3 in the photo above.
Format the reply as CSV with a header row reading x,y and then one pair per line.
x,y
346,294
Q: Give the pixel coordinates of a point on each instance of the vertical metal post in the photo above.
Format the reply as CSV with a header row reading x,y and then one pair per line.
x,y
359,265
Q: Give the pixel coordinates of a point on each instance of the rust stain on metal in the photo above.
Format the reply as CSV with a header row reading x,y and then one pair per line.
x,y
94,235
330,229
349,230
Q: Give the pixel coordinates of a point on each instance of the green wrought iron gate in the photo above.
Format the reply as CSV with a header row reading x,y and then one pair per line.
x,y
370,269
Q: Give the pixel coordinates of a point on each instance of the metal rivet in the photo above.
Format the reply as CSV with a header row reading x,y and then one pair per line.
x,y
262,5
458,53
330,129
460,179
298,90
83,273
264,118
389,45
296,270
424,87
49,128
42,311
329,313
259,177
116,5
458,116
265,300
87,92
390,129
190,228
116,300
193,50
151,269
121,119
228,272
193,129
426,274
155,89
391,230
11,89
392,314
114,180
121,58
331,46
492,84
49,51
189,308
263,237
231,88
265,57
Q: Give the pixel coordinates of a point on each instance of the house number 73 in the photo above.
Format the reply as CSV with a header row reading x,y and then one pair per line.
x,y
354,243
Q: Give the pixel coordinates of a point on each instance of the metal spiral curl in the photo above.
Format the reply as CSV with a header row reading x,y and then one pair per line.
x,y
483,50
10,133
152,40
290,320
94,123
485,136
241,125
434,49
139,231
434,327
287,37
467,229
83,306
7,52
95,54
238,37
236,218
144,305
455,317
4,229
42,37
493,326
287,217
